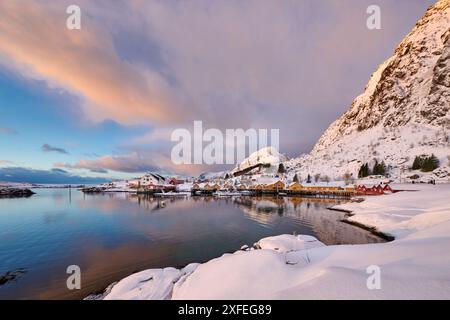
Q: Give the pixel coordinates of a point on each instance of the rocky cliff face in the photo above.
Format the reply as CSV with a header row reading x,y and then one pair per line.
x,y
404,111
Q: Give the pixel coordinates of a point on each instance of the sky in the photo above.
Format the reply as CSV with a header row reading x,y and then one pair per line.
x,y
101,102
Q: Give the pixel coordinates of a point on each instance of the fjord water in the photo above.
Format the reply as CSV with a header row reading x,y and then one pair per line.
x,y
110,236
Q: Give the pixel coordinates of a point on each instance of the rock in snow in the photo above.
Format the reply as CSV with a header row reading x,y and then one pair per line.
x,y
153,284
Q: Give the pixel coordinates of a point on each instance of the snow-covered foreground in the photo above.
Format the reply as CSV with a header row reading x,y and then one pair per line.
x,y
414,266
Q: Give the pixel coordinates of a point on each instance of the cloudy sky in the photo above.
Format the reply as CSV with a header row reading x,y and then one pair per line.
x,y
101,102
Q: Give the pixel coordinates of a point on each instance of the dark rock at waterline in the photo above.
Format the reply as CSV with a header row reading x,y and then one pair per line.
x,y
15,193
11,275
93,189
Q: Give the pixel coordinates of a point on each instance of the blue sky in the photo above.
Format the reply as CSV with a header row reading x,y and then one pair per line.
x,y
101,102
36,115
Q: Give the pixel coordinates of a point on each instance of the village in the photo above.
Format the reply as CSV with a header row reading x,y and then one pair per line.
x,y
243,185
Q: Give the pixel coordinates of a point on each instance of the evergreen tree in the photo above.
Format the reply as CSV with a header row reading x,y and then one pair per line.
x,y
375,168
296,178
426,164
317,177
281,168
364,171
430,163
361,171
418,163
381,169
308,180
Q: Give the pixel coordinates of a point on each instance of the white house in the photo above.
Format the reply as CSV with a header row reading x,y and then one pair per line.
x,y
152,179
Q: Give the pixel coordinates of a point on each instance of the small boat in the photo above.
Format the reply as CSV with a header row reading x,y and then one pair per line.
x,y
226,194
172,194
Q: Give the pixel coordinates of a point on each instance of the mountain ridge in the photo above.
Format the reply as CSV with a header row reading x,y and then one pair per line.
x,y
404,111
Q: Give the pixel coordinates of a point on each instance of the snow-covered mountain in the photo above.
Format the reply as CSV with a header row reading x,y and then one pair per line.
x,y
403,112
268,157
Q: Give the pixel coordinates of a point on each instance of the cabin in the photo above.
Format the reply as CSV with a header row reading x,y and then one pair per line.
x,y
211,187
373,191
175,181
227,186
134,184
274,187
151,179
242,187
295,187
349,189
198,186
256,187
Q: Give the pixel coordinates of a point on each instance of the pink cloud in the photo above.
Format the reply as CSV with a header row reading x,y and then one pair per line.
x,y
34,37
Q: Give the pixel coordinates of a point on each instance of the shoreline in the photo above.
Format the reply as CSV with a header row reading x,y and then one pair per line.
x,y
301,267
371,229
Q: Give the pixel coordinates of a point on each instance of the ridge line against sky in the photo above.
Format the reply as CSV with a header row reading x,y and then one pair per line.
x,y
103,100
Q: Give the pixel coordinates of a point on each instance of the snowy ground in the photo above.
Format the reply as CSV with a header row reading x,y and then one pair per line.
x,y
414,266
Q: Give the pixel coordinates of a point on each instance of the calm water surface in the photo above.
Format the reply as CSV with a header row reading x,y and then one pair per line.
x,y
113,235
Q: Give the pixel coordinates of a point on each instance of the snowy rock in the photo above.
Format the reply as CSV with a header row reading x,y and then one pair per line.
x,y
286,243
265,156
152,284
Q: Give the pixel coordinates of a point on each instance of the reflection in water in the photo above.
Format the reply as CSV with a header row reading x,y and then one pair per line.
x,y
312,212
113,235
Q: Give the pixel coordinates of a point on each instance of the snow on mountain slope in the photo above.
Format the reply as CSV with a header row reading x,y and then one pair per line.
x,y
404,111
264,156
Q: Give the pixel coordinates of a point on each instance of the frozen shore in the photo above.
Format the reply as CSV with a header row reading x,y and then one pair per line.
x,y
414,266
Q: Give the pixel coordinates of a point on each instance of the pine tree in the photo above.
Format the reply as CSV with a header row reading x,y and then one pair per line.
x,y
308,180
381,169
430,163
281,168
375,168
364,171
317,177
418,163
296,178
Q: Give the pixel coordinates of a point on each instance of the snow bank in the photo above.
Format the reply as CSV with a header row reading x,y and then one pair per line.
x,y
152,284
286,243
401,214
